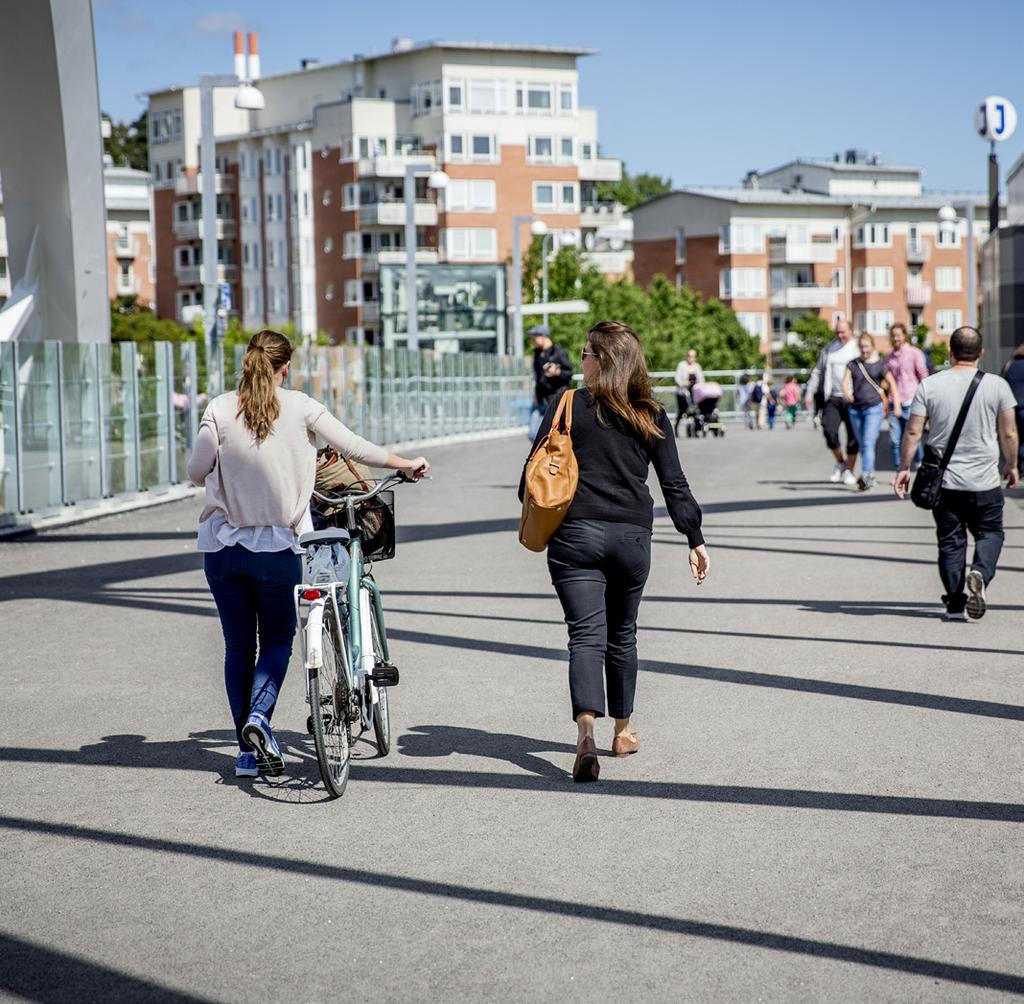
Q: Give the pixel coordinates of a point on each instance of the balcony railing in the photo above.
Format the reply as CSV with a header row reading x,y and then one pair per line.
x,y
392,213
609,262
783,251
396,256
805,295
600,169
192,184
126,249
394,165
192,230
918,252
192,275
918,294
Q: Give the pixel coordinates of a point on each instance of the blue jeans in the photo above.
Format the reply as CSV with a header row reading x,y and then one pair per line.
x,y
897,426
866,424
254,592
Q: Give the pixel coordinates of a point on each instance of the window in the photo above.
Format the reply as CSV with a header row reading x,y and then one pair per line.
x,y
456,150
680,246
874,279
305,204
353,244
837,278
271,260
486,96
565,153
455,96
256,256
540,148
949,238
277,160
124,275
470,243
874,322
254,209
568,197
538,97
183,214
245,254
279,206
587,151
566,101
350,196
543,196
483,147
270,208
741,283
741,238
948,279
756,325
353,292
872,235
947,321
470,196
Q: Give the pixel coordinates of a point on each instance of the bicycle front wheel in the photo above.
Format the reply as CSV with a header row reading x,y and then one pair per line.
x,y
381,715
329,696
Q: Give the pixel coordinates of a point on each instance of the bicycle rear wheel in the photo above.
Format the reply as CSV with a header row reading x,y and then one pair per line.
x,y
329,696
381,714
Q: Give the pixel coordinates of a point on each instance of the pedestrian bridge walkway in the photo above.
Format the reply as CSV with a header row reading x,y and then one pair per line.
x,y
827,804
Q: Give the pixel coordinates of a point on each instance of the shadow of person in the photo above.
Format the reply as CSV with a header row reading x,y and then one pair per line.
x,y
521,751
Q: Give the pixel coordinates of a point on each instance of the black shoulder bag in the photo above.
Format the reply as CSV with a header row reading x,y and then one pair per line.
x,y
928,482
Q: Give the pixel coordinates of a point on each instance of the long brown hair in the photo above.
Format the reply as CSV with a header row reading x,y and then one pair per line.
x,y
265,354
621,383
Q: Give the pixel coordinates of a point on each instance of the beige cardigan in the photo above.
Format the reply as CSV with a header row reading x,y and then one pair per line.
x,y
268,483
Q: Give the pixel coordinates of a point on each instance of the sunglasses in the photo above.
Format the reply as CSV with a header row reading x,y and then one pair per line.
x,y
585,353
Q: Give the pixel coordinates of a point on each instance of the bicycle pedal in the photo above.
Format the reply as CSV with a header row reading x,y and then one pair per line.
x,y
384,675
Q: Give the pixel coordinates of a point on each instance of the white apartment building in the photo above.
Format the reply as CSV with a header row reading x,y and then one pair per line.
x,y
311,189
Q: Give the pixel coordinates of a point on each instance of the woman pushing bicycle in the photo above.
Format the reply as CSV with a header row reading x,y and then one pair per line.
x,y
256,455
600,556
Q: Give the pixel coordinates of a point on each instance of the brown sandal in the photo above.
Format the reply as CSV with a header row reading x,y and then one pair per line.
x,y
586,768
625,745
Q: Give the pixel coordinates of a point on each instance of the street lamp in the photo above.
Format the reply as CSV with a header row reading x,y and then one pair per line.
x,y
537,228
437,180
948,220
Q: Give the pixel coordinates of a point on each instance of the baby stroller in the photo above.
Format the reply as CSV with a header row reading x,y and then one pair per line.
x,y
703,415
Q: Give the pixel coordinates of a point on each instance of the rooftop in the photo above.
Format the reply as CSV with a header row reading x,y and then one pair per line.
x,y
871,165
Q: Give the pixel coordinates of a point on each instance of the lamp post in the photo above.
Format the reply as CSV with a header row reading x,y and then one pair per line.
x,y
247,98
948,220
438,180
544,245
537,228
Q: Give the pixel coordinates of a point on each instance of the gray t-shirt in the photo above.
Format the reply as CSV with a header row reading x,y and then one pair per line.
x,y
975,463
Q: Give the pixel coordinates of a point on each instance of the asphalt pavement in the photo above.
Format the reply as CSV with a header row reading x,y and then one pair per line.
x,y
827,803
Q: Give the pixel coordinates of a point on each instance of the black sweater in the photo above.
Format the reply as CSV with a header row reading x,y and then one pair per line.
x,y
613,462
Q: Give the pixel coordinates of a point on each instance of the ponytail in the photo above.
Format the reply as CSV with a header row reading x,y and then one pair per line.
x,y
258,406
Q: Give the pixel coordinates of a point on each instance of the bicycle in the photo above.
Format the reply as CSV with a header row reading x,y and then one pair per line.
x,y
345,646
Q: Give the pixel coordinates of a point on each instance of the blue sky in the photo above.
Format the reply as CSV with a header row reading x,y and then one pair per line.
x,y
701,92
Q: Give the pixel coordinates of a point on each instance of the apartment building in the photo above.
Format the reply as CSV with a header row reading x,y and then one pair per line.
x,y
129,238
311,199
1002,277
848,237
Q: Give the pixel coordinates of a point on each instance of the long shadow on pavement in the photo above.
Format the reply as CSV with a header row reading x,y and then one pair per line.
x,y
37,973
600,913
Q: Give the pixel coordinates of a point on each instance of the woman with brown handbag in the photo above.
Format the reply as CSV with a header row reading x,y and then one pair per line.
x,y
600,556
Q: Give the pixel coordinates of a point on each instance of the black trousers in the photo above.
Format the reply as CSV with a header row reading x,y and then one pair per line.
x,y
599,570
834,414
682,406
960,512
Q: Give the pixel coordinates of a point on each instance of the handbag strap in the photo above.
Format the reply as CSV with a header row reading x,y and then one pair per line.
x,y
564,410
947,454
867,376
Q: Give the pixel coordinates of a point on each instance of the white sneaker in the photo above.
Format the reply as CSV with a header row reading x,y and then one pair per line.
x,y
837,473
849,478
976,604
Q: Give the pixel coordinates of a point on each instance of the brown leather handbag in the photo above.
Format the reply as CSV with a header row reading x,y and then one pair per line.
x,y
551,478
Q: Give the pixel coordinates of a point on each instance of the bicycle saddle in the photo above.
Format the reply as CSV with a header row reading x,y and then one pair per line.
x,y
333,535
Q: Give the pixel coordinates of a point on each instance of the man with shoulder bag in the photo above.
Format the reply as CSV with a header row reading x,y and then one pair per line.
x,y
970,417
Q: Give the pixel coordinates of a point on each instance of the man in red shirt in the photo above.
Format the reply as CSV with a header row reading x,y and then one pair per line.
x,y
908,368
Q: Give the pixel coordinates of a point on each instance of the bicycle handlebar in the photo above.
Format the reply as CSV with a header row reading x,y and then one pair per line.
x,y
348,495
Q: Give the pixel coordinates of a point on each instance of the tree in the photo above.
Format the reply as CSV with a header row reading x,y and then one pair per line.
x,y
128,143
632,190
669,321
814,334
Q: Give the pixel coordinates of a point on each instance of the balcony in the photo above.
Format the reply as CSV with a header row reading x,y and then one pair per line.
x,y
192,184
396,256
601,214
394,166
609,262
192,230
126,249
919,294
786,252
805,296
371,311
192,275
918,252
392,214
600,169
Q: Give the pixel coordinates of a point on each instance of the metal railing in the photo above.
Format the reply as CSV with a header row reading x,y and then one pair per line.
x,y
82,423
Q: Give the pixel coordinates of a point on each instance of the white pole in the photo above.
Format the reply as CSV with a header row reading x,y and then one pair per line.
x,y
544,273
972,270
208,169
517,288
412,340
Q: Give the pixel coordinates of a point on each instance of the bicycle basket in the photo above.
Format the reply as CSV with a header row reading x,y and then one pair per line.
x,y
376,520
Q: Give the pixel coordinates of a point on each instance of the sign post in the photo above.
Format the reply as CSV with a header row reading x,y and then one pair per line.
x,y
995,120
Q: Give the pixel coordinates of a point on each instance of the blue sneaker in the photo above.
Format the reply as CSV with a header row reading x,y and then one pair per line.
x,y
245,765
257,733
